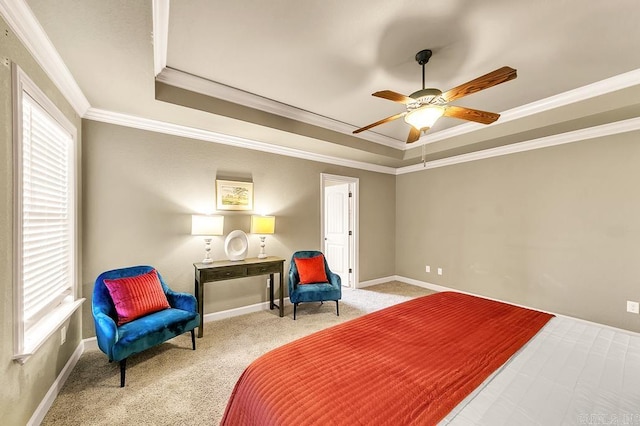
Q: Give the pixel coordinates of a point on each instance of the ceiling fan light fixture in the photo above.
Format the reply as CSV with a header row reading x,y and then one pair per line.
x,y
425,116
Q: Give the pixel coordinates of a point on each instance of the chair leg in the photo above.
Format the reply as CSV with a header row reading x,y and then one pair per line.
x,y
295,308
123,368
337,309
193,339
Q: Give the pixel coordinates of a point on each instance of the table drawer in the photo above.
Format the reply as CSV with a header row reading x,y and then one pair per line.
x,y
224,274
263,269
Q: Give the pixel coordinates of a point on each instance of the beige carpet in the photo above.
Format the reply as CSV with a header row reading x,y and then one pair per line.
x,y
174,385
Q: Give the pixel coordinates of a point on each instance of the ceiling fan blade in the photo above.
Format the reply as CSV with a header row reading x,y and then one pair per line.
x,y
478,116
394,96
384,120
414,134
498,76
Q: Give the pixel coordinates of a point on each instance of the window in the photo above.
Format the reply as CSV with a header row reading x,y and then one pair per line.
x,y
45,226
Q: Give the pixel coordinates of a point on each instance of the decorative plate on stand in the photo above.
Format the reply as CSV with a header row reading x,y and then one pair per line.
x,y
236,245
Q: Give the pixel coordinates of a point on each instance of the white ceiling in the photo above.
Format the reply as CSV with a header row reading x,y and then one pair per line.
x,y
316,63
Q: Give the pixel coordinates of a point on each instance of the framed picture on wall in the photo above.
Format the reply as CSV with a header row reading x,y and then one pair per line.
x,y
234,195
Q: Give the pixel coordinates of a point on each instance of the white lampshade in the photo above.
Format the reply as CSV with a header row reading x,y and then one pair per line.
x,y
424,117
263,224
207,225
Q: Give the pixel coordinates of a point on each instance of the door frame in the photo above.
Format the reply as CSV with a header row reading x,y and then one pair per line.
x,y
354,218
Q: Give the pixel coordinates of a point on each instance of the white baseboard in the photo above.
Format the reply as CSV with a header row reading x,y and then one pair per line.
x,y
400,278
90,344
424,284
369,283
229,313
54,390
440,288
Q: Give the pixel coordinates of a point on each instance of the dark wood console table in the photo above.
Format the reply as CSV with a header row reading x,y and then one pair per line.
x,y
221,270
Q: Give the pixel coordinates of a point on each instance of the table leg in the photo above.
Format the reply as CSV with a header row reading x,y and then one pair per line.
x,y
199,290
271,284
281,292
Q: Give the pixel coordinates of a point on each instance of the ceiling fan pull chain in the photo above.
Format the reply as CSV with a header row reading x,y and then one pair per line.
x,y
424,149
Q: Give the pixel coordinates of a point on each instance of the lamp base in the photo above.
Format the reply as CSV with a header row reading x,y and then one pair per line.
x,y
207,251
262,254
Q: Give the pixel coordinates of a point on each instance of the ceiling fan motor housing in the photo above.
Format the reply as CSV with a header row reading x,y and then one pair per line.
x,y
424,97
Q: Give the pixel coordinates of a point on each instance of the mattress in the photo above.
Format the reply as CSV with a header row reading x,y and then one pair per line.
x,y
572,372
411,363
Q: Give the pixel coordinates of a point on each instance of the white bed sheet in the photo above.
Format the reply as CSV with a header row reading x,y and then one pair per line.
x,y
571,373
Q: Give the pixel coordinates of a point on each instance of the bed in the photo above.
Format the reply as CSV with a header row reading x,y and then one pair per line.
x,y
446,358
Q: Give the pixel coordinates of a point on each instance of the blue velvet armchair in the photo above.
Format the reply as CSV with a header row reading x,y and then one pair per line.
x,y
314,292
119,342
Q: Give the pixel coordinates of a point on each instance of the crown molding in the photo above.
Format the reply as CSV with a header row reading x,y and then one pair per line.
x,y
142,123
183,80
160,34
624,126
29,31
599,88
210,88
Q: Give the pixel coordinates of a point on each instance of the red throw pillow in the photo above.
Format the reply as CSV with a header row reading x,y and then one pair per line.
x,y
311,269
137,296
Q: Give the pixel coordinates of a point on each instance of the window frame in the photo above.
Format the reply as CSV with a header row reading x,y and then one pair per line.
x,y
28,341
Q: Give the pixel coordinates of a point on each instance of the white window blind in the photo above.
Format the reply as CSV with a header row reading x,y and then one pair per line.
x,y
47,212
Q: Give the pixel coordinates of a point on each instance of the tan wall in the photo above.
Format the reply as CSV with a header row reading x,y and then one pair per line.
x,y
140,189
23,386
556,228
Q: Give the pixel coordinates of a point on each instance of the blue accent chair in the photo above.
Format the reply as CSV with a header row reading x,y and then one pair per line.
x,y
120,342
315,292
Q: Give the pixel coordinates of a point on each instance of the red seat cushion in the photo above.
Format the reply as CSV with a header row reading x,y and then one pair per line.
x,y
137,296
311,269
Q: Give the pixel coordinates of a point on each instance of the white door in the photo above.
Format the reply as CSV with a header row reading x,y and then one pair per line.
x,y
337,230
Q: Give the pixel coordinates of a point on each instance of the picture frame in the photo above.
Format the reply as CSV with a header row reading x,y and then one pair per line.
x,y
234,195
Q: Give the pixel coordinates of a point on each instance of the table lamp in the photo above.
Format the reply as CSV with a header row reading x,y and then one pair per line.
x,y
207,226
262,225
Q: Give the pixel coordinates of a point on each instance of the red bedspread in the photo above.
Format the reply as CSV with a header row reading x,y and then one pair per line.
x,y
407,364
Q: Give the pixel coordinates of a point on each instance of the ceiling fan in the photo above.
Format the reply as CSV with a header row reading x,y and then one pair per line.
x,y
425,106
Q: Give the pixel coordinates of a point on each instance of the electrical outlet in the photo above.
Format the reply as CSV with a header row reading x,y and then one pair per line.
x,y
633,307
427,268
63,335
439,271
